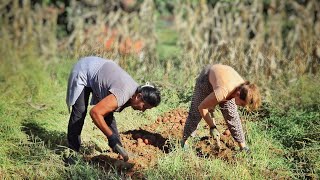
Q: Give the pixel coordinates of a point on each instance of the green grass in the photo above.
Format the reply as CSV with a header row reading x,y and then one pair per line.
x,y
167,41
36,118
294,122
265,162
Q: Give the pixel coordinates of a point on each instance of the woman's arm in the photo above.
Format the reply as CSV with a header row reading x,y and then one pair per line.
x,y
209,102
104,107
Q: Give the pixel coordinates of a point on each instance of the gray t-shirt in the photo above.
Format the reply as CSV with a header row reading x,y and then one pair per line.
x,y
103,77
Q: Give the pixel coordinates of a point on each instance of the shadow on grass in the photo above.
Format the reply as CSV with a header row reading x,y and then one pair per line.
x,y
57,141
51,139
109,164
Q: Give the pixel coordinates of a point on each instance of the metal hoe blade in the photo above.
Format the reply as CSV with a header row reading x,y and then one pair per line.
x,y
122,152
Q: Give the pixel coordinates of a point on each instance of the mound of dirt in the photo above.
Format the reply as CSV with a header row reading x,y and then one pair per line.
x,y
147,143
207,147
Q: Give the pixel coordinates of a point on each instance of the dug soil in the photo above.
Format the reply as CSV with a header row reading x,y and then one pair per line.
x,y
146,144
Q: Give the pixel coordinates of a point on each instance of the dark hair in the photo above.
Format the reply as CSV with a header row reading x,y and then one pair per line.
x,y
150,94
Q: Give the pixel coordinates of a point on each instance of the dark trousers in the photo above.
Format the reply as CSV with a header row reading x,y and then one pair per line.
x,y
77,116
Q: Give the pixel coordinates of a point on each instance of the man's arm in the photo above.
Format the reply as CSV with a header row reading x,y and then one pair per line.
x,y
104,107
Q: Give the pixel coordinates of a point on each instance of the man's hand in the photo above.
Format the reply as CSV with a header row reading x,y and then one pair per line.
x,y
116,146
113,140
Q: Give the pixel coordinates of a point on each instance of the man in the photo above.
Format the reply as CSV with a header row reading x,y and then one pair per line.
x,y
112,90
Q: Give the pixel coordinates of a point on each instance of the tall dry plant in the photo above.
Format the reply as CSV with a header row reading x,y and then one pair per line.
x,y
23,23
114,25
91,24
258,39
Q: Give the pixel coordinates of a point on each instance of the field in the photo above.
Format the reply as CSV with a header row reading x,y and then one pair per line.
x,y
272,43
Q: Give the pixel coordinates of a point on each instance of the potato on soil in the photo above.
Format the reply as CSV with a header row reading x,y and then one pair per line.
x,y
159,119
139,140
227,132
182,121
164,120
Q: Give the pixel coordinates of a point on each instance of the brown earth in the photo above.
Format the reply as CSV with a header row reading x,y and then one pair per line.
x,y
146,144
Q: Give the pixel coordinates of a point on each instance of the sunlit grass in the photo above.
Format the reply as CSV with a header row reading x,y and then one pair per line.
x,y
264,162
33,105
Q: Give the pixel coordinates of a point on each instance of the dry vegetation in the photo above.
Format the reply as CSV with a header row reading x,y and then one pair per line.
x,y
273,37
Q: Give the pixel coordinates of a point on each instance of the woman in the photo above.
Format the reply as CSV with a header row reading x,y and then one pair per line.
x,y
112,90
221,84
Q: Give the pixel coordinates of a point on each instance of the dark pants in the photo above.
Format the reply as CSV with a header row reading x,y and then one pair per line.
x,y
76,121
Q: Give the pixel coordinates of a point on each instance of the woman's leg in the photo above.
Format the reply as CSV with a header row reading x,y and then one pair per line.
x,y
201,90
77,116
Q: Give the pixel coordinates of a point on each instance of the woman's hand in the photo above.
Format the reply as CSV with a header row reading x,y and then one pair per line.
x,y
215,134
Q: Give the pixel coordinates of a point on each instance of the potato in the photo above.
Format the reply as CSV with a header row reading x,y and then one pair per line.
x,y
227,132
139,140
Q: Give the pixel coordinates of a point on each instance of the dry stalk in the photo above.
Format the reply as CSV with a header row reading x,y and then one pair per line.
x,y
256,38
24,24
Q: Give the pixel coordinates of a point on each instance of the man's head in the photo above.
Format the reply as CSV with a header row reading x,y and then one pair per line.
x,y
248,95
146,97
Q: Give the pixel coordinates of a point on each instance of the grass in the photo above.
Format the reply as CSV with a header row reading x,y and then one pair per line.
x,y
295,124
265,162
284,143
